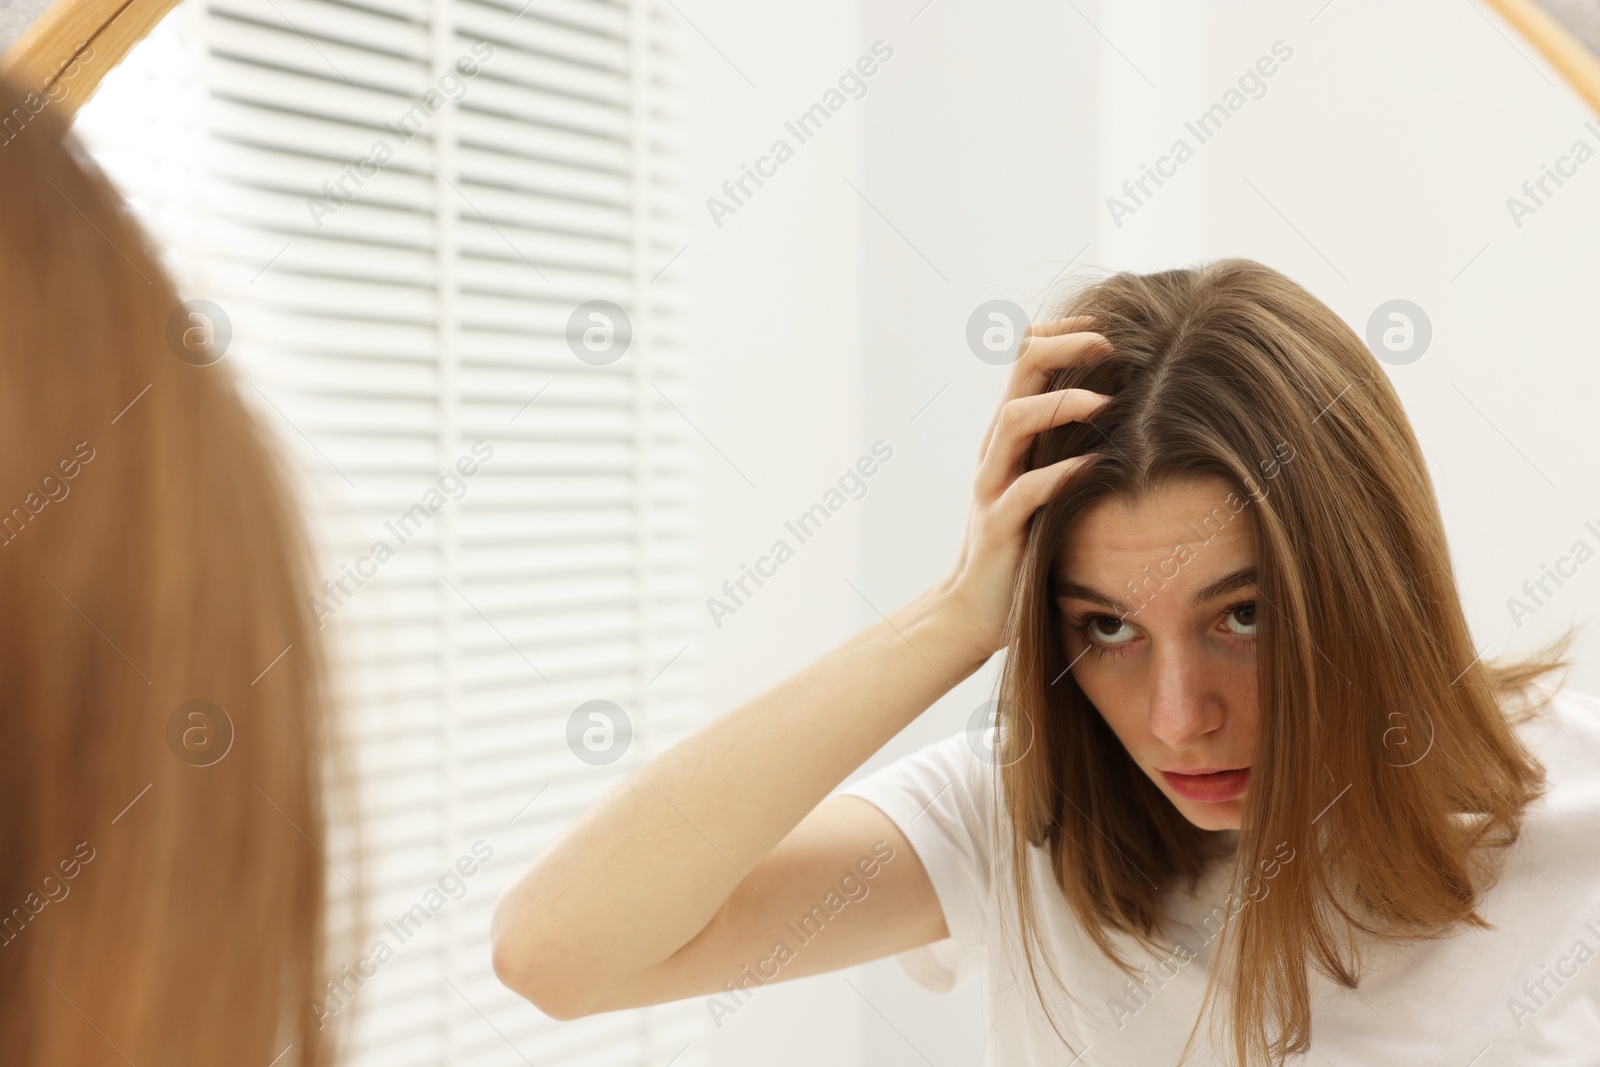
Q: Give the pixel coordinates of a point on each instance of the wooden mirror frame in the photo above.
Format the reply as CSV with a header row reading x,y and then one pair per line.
x,y
66,53
1573,59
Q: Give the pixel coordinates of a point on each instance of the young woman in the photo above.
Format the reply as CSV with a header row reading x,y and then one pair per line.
x,y
1250,789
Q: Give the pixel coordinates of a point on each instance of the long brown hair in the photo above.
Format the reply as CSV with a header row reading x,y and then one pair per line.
x,y
164,813
1233,371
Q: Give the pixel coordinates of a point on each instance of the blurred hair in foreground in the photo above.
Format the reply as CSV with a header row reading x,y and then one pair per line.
x,y
152,910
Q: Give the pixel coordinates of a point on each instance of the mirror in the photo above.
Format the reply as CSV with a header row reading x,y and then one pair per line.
x,y
1567,33
65,49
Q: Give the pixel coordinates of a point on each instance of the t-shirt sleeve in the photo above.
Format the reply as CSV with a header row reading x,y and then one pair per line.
x,y
940,797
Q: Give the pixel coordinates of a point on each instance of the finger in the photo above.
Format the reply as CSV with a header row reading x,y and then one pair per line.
x,y
1034,488
1027,415
1020,419
1070,324
1037,359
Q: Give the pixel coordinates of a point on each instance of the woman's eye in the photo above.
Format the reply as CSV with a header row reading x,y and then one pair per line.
x,y
1245,615
1109,630
1105,634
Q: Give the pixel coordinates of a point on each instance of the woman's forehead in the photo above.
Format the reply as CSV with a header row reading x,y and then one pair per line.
x,y
1197,514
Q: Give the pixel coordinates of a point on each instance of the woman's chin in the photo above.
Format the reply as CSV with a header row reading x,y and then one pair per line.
x,y
1224,815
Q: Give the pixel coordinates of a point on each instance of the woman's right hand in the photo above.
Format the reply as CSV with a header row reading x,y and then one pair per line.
x,y
979,589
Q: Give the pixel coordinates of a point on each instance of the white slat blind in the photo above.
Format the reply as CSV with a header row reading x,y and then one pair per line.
x,y
399,282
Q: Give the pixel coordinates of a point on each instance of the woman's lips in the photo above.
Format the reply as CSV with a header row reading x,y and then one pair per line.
x,y
1209,788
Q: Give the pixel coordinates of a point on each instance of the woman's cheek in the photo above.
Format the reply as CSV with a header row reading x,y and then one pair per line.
x,y
1102,693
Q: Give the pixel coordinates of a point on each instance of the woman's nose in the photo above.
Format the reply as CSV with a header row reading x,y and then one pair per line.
x,y
1183,706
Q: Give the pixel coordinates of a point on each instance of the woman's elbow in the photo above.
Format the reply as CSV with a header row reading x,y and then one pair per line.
x,y
530,971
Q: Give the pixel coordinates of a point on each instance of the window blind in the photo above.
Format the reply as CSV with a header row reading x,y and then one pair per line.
x,y
403,209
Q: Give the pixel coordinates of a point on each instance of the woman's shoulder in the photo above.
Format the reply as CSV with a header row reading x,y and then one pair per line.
x,y
948,776
942,798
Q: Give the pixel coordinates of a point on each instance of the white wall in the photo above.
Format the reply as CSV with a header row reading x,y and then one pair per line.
x,y
776,290
1376,165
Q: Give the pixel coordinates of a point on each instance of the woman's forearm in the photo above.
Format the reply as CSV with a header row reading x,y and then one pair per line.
x,y
641,873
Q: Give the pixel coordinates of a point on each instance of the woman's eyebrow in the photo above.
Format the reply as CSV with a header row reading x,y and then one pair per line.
x,y
1226,584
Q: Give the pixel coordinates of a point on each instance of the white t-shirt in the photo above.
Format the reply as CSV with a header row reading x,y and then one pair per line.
x,y
1525,992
